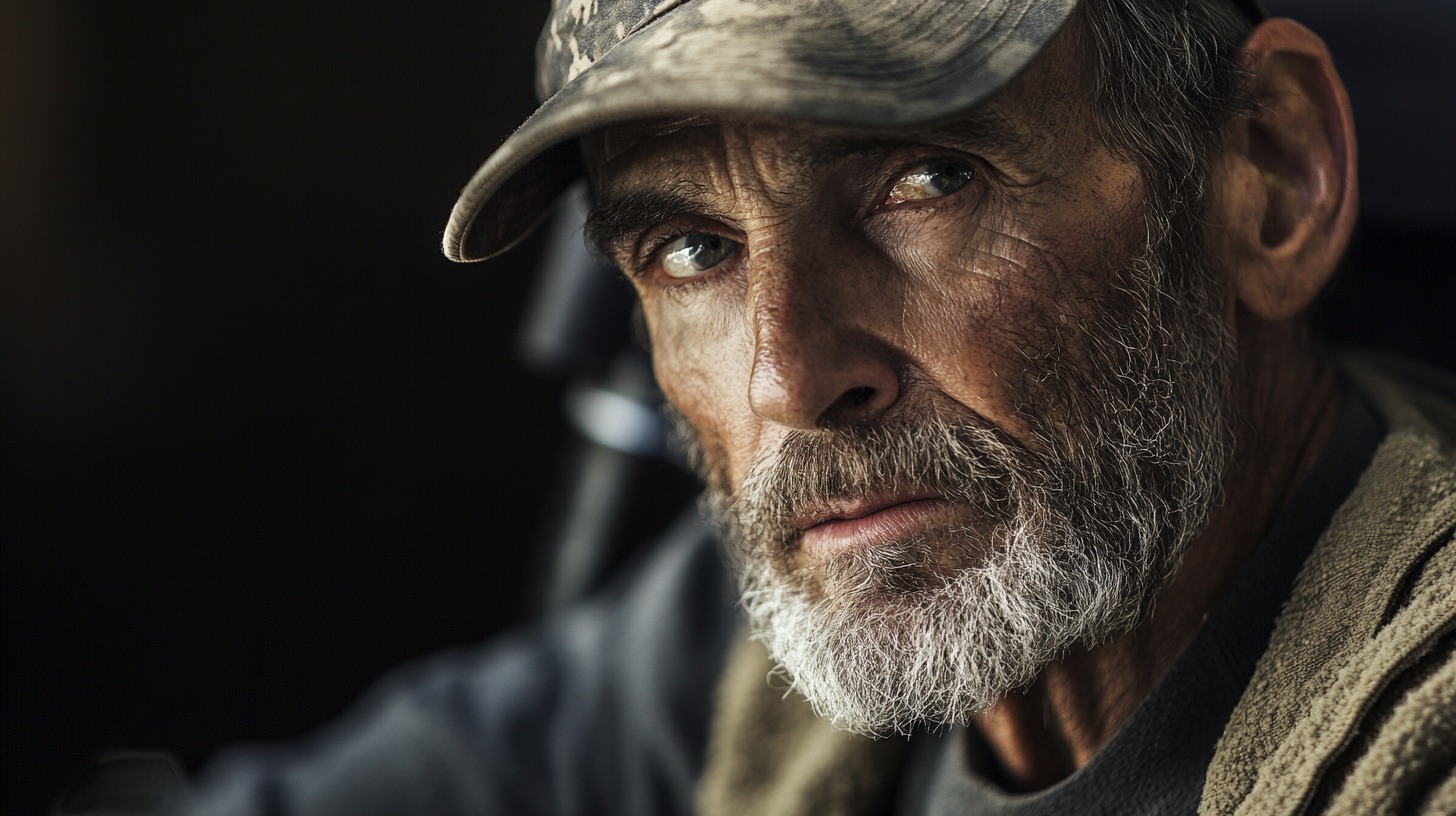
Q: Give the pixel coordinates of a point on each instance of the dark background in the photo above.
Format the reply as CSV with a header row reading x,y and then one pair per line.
x,y
261,441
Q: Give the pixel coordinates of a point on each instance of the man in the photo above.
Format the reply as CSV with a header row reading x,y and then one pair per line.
x,y
985,322
987,325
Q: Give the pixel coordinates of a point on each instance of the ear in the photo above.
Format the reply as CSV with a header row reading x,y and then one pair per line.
x,y
1286,179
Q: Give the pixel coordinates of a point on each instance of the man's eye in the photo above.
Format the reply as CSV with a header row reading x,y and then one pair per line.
x,y
695,253
932,179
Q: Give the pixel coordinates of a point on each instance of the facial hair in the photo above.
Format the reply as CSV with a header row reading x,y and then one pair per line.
x,y
1071,530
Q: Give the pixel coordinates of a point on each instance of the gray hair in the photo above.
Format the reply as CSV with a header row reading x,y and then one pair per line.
x,y
1167,79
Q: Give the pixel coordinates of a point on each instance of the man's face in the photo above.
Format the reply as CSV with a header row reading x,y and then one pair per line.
x,y
958,410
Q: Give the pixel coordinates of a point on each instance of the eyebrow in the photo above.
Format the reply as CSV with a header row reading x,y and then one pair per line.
x,y
612,222
988,131
979,133
997,136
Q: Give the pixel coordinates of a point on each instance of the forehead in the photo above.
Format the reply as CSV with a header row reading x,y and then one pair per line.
x,y
800,144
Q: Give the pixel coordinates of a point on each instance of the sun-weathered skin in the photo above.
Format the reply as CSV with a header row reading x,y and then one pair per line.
x,y
863,63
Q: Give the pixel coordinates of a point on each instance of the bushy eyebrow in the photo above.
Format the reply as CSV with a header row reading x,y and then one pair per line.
x,y
615,221
993,133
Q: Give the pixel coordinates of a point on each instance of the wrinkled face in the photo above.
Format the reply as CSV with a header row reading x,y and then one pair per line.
x,y
956,408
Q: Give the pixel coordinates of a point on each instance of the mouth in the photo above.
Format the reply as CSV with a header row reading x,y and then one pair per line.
x,y
840,526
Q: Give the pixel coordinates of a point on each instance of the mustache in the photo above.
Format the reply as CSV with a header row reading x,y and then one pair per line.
x,y
962,458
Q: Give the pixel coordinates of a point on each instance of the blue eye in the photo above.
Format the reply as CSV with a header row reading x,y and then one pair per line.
x,y
932,179
695,253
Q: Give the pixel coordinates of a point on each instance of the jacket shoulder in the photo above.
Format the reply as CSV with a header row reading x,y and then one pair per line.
x,y
1358,682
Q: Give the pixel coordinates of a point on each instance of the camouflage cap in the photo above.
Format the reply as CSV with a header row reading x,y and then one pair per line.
x,y
861,63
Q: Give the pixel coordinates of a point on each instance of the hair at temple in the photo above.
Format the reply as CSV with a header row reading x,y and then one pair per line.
x,y
1167,78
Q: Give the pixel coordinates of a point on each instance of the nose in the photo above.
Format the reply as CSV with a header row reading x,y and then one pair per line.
x,y
818,360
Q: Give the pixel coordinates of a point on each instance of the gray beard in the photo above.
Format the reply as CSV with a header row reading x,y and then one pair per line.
x,y
1077,528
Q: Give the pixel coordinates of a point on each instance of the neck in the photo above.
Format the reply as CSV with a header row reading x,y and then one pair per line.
x,y
1289,409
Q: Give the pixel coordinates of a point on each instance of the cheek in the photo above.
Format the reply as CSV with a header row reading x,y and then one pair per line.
x,y
969,288
702,364
990,301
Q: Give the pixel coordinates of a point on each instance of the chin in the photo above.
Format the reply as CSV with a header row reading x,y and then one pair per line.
x,y
936,629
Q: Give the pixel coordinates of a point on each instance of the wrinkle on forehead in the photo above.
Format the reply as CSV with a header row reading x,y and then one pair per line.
x,y
801,149
722,155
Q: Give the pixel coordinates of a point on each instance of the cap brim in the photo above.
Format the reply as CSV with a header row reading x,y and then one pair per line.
x,y
878,65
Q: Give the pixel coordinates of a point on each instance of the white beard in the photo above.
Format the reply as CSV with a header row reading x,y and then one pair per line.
x,y
874,655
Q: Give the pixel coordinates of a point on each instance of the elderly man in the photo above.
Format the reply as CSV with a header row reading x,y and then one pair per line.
x,y
985,320
985,323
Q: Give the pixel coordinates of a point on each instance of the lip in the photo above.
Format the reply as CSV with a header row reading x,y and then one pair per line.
x,y
840,526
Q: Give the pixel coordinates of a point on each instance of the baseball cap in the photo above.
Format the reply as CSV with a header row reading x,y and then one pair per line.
x,y
856,63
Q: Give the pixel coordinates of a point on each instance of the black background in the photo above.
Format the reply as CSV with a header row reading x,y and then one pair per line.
x,y
261,441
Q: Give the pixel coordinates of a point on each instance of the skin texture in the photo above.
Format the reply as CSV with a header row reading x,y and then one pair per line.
x,y
844,304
